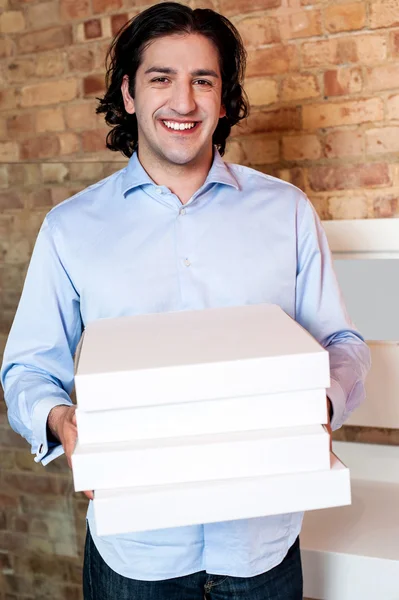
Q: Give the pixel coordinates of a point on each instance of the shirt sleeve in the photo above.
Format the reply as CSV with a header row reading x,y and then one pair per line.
x,y
38,372
321,310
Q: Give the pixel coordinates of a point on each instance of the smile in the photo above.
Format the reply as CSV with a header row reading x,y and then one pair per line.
x,y
176,126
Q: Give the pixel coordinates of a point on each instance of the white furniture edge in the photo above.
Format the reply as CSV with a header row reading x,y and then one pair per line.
x,y
363,238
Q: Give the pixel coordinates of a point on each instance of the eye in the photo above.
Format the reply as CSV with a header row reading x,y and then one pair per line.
x,y
160,80
202,82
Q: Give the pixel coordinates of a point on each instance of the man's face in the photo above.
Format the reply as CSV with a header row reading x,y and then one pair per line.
x,y
177,100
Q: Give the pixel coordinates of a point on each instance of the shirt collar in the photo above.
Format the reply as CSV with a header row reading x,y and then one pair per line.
x,y
135,175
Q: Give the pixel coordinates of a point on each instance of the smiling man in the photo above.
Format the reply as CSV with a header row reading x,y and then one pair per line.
x,y
176,229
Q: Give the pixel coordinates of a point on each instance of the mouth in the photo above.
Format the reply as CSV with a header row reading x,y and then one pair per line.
x,y
180,127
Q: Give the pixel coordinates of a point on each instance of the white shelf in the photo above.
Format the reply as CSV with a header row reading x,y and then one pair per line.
x,y
140,509
363,238
352,553
381,406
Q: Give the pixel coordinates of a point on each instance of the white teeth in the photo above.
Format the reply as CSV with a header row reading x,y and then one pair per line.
x,y
178,126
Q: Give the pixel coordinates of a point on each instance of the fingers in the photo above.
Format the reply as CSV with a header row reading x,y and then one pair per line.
x,y
89,495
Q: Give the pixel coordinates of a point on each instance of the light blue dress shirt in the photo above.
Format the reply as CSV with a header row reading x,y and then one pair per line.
x,y
127,246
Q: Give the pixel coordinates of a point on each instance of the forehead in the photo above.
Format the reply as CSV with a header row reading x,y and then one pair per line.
x,y
189,51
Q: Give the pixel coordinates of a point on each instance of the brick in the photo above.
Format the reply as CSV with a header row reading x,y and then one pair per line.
x,y
24,174
69,143
9,151
74,9
10,200
261,150
394,39
236,7
93,85
81,58
234,152
7,99
94,140
6,47
371,48
20,69
343,81
45,146
50,119
384,13
117,22
86,171
385,207
342,177
385,77
54,172
100,56
41,198
258,31
12,21
50,64
92,29
3,176
382,140
393,107
342,113
272,61
294,176
43,15
3,129
301,147
283,119
261,92
21,124
59,194
344,50
345,17
15,251
299,86
80,116
48,39
347,142
352,207
316,54
103,6
48,93
302,24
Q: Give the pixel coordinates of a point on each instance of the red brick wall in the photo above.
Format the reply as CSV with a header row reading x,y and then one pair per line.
x,y
323,80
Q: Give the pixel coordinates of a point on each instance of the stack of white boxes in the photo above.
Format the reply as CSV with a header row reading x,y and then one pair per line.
x,y
203,416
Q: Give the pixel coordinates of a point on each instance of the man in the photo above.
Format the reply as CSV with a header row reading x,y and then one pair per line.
x,y
176,229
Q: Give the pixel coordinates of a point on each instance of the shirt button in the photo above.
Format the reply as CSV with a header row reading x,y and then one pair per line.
x,y
159,190
187,262
183,212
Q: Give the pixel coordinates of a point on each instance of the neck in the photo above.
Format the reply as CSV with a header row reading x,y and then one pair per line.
x,y
182,180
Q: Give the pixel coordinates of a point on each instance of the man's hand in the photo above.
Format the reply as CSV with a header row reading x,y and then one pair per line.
x,y
62,424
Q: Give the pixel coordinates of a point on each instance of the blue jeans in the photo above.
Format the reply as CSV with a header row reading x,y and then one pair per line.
x,y
284,582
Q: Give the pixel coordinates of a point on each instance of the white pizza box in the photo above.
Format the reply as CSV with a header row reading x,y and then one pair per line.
x,y
200,458
156,507
286,409
185,356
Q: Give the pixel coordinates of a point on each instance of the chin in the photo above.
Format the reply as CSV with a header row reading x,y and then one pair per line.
x,y
181,159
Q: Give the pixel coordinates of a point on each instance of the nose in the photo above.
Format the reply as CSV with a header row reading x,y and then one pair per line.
x,y
182,100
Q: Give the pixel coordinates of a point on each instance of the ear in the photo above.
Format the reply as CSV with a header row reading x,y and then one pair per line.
x,y
127,99
222,112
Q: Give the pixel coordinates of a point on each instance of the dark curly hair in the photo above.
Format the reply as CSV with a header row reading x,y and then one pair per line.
x,y
124,58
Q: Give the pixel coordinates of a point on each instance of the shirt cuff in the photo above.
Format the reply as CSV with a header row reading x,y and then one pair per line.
x,y
338,401
45,451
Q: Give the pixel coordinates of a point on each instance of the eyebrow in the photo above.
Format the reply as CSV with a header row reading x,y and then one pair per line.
x,y
196,73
